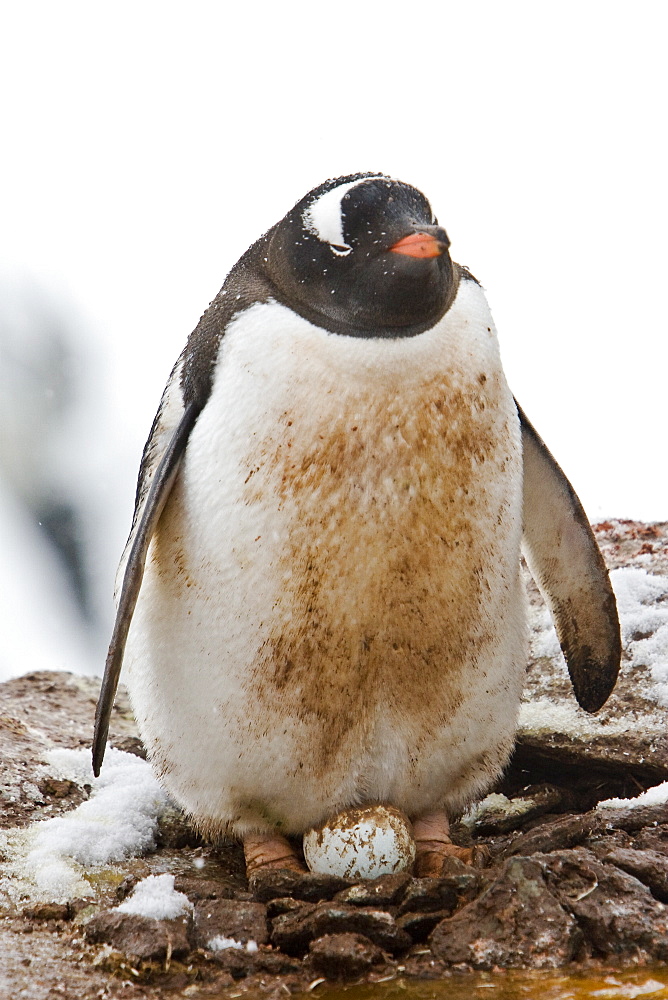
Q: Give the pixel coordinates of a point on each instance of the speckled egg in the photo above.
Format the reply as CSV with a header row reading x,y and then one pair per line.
x,y
361,843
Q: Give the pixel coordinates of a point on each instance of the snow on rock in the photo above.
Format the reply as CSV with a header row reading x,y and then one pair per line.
x,y
119,820
221,943
491,802
549,715
642,600
655,796
155,896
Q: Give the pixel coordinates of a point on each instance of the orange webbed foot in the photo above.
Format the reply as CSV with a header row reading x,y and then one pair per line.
x,y
433,846
264,852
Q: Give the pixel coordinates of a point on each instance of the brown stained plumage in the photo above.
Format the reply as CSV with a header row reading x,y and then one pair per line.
x,y
388,573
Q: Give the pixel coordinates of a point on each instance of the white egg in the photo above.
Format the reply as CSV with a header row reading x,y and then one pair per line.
x,y
361,843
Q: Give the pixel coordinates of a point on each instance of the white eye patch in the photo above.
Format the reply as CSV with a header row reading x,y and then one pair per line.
x,y
324,217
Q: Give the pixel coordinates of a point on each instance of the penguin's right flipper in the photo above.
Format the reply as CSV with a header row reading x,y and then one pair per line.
x,y
568,567
150,504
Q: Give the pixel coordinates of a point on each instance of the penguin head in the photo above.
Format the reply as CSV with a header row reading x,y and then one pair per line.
x,y
363,255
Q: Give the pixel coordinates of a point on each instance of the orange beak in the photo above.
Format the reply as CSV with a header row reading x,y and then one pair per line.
x,y
419,245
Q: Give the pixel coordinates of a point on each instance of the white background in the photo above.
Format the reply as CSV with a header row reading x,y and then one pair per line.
x,y
146,145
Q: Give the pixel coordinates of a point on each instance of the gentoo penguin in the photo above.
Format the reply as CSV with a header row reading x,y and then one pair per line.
x,y
321,601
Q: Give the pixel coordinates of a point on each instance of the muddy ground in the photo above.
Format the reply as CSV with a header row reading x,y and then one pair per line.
x,y
567,884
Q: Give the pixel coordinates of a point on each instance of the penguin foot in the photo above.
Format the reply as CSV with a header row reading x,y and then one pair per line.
x,y
431,863
433,845
267,851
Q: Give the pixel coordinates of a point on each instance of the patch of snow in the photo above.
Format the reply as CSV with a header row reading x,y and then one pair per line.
x,y
656,796
636,587
120,819
220,943
547,715
31,791
494,802
155,896
642,600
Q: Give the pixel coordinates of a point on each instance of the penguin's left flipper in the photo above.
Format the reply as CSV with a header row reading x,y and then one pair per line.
x,y
566,562
151,509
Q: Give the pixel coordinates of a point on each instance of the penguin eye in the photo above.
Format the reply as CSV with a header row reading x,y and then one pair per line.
x,y
341,250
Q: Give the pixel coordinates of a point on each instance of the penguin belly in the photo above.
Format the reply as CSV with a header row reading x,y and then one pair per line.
x,y
332,611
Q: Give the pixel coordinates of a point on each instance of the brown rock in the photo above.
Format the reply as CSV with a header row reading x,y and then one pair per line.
x,y
600,845
420,925
383,891
635,757
429,894
293,932
453,865
58,788
653,838
516,922
423,965
129,744
633,818
205,888
277,907
343,956
241,963
230,918
649,867
554,835
124,888
308,886
140,937
617,913
48,911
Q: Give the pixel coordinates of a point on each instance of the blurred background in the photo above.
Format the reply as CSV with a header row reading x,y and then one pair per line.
x,y
146,145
